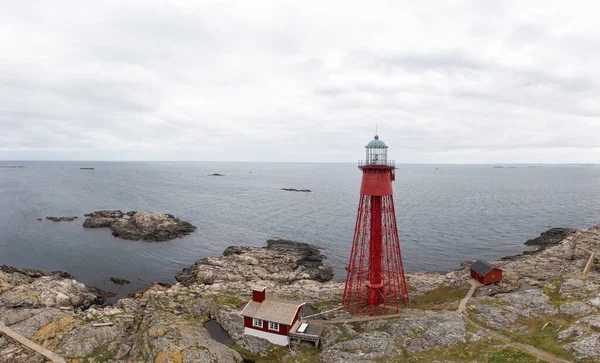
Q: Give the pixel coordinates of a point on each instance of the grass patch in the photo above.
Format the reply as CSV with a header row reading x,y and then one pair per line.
x,y
553,291
100,355
481,352
544,339
289,296
490,301
321,306
198,319
275,354
441,298
470,328
304,355
230,300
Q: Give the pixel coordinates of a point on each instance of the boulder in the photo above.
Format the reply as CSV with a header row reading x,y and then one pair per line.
x,y
575,308
592,321
574,331
572,287
587,348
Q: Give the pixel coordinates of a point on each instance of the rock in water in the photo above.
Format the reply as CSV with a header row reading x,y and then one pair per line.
x,y
98,222
551,237
281,261
105,214
147,226
119,281
61,219
296,190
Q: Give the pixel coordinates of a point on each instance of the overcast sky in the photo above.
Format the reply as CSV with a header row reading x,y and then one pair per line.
x,y
445,81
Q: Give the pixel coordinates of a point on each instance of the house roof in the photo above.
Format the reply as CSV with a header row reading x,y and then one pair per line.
x,y
482,267
273,309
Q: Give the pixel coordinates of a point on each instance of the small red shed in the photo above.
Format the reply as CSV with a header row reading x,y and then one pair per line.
x,y
485,273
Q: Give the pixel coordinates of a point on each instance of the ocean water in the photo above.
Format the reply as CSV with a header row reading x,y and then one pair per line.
x,y
446,213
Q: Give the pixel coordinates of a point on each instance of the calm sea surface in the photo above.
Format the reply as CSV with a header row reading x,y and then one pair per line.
x,y
446,213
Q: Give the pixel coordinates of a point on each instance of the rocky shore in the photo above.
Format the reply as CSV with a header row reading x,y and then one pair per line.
x,y
544,306
134,225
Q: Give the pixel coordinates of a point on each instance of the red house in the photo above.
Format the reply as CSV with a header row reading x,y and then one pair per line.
x,y
270,318
485,273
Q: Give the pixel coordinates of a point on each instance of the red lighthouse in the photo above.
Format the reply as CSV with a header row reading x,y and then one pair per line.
x,y
376,284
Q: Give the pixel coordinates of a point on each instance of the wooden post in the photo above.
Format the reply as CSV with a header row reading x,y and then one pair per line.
x,y
589,264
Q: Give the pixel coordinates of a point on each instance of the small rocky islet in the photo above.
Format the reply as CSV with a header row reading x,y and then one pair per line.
x,y
134,225
296,190
60,219
558,313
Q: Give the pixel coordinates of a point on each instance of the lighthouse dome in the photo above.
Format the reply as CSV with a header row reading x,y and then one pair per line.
x,y
376,142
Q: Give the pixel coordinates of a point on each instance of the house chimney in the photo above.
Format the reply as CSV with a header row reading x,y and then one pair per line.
x,y
259,293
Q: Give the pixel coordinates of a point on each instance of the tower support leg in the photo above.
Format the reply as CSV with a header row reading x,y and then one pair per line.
x,y
375,284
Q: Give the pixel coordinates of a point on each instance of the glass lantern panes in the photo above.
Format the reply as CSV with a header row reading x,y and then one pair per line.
x,y
377,155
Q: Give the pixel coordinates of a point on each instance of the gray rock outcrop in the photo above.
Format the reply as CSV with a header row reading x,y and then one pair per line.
x,y
61,219
25,288
561,309
551,237
281,261
383,340
587,348
147,226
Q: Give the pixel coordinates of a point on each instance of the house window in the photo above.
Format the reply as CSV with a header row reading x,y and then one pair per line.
x,y
493,275
273,326
257,322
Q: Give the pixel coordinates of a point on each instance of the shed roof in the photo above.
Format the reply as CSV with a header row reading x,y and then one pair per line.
x,y
482,267
272,309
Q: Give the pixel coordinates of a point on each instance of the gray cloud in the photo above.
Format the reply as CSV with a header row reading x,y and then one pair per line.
x,y
468,81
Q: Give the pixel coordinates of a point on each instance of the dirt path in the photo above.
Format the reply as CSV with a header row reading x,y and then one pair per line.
x,y
463,303
524,347
31,345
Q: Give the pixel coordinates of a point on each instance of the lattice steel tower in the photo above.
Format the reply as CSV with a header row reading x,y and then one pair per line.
x,y
376,284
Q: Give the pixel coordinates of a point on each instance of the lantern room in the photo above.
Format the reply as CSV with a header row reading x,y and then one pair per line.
x,y
376,152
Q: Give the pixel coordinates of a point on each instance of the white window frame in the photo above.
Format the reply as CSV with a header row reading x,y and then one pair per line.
x,y
257,323
273,326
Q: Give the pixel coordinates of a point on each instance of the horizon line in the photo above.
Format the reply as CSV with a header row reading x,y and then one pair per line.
x,y
295,162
